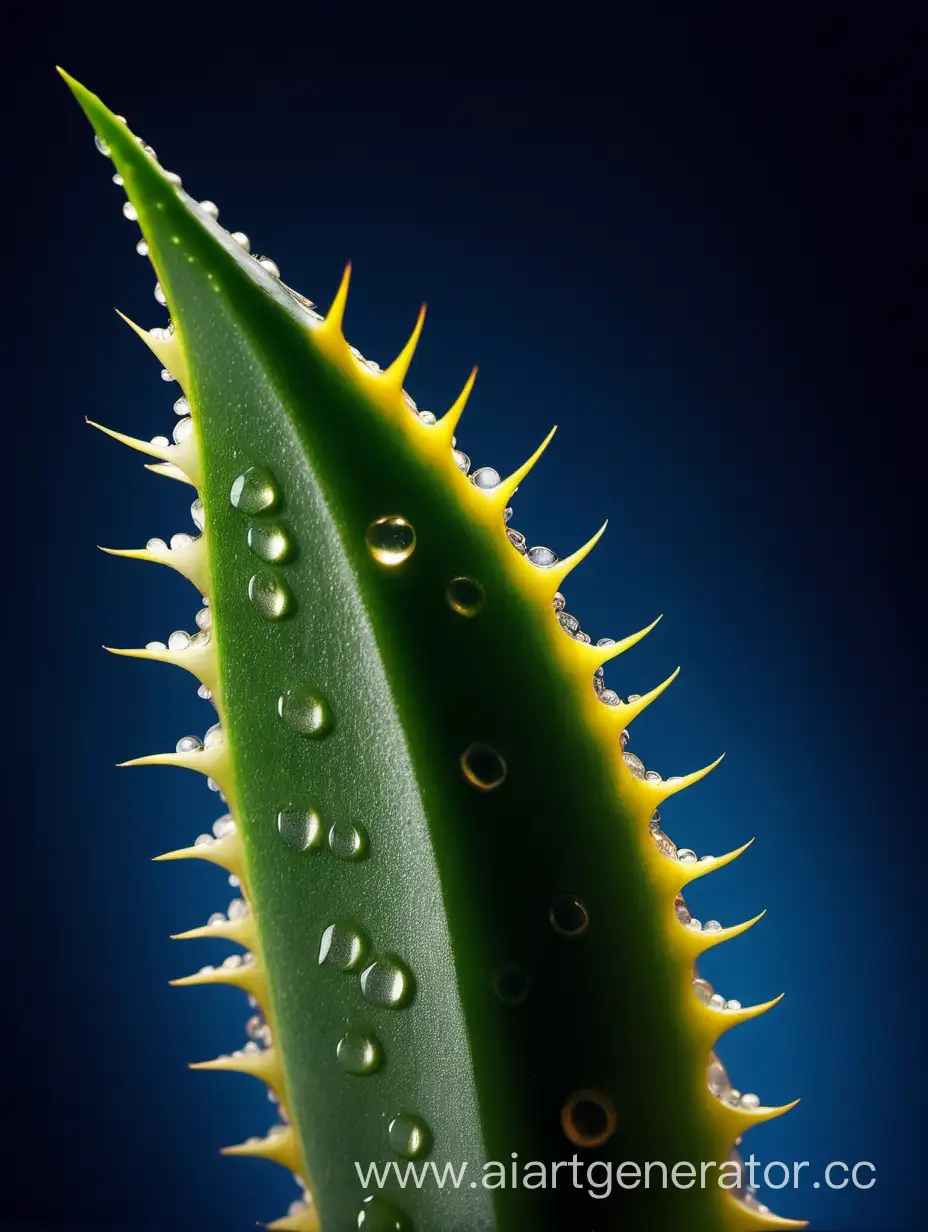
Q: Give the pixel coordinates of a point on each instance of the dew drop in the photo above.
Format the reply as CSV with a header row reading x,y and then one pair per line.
x,y
542,558
183,430
341,947
255,491
635,764
588,1118
511,985
142,248
271,543
379,1215
409,1136
347,842
359,1052
485,477
300,828
271,266
101,145
390,540
388,982
569,917
241,238
210,207
129,211
465,596
270,595
483,767
305,711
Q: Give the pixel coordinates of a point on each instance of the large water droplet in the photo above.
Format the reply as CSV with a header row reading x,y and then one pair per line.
x,y
270,595
466,596
511,985
300,828
342,947
305,711
347,842
569,916
390,540
359,1052
272,543
388,982
588,1118
483,767
379,1215
409,1136
255,491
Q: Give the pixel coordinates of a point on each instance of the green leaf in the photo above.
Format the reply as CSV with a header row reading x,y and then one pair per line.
x,y
461,923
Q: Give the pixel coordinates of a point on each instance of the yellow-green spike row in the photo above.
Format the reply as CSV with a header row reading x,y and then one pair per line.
x,y
462,924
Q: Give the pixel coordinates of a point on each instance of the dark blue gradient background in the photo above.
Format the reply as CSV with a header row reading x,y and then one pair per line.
x,y
688,244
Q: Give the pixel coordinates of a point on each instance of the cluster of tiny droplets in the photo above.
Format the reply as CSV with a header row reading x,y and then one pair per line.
x,y
719,1082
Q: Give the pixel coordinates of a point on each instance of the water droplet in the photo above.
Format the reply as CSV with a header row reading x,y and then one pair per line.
x,y
189,744
210,207
588,1118
388,982
300,828
485,477
542,558
129,211
409,1136
379,1215
569,917
156,545
359,1052
483,767
511,985
101,145
181,540
223,826
255,491
160,295
570,624
271,543
142,248
347,842
271,266
179,640
461,460
750,1102
305,711
342,947
166,376
390,540
685,855
182,432
635,764
465,595
270,595
241,238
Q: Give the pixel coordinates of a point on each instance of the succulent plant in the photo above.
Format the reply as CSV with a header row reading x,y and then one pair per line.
x,y
462,925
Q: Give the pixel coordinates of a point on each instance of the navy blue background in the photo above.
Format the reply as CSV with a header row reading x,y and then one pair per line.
x,y
687,242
